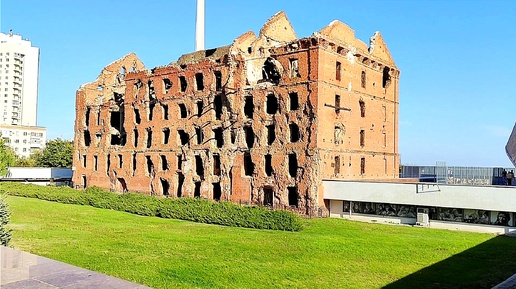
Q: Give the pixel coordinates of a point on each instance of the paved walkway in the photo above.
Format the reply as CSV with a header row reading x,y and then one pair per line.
x,y
21,270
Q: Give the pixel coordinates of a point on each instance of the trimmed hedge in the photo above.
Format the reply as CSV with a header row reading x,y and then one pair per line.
x,y
197,210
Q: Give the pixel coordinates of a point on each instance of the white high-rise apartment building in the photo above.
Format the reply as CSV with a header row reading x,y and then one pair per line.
x,y
19,69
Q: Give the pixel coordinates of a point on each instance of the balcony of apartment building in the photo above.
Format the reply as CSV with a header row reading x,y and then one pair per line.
x,y
17,81
17,68
16,103
35,143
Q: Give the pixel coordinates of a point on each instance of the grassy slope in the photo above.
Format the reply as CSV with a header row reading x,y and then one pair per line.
x,y
328,253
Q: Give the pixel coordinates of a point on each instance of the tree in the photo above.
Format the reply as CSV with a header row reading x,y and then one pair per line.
x,y
57,153
5,217
7,157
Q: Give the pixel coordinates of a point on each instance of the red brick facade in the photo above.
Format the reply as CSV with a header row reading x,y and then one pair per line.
x,y
261,121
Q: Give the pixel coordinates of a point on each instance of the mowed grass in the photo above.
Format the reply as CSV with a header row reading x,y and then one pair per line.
x,y
328,253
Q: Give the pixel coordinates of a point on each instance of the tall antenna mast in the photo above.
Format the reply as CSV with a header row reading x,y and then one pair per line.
x,y
199,26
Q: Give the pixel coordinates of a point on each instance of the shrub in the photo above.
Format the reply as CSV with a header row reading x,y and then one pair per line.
x,y
197,210
5,217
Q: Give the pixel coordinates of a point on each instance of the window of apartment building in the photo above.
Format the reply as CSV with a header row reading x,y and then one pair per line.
x,y
338,70
200,106
294,132
183,113
248,106
248,165
217,106
271,134
363,79
293,197
167,85
362,138
362,108
83,161
362,166
292,165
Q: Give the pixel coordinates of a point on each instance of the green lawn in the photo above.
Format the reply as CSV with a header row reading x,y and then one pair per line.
x,y
328,253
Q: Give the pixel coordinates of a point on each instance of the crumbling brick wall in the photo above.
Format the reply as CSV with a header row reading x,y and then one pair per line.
x,y
254,122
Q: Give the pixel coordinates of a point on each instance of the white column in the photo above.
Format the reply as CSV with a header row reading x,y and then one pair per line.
x,y
199,26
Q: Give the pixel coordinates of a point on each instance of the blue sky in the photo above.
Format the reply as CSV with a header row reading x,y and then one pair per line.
x,y
457,58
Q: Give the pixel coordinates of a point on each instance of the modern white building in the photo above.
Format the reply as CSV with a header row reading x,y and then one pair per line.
x,y
24,139
19,70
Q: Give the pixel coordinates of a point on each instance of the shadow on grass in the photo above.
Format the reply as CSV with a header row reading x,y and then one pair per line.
x,y
483,266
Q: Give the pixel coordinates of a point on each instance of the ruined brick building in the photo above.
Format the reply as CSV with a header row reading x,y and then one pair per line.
x,y
261,121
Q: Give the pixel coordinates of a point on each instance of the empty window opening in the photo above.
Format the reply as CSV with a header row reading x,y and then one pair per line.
x,y
108,163
135,133
115,139
179,162
362,138
183,137
197,190
217,191
137,118
137,86
294,101
362,166
180,181
294,132
149,137
84,181
120,161
268,165
271,134
150,86
268,196
199,168
338,134
199,81
248,106
363,79
219,137
166,135
182,110
87,138
98,136
118,97
87,116
217,106
386,80
165,111
98,118
384,139
218,80
384,111
233,135
115,120
216,165
338,70
272,104
152,104
200,106
164,163
248,165
249,136
83,161
270,71
293,197
134,163
336,168
199,134
337,104
167,85
183,83
294,68
95,162
292,165
165,186
150,165
362,108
